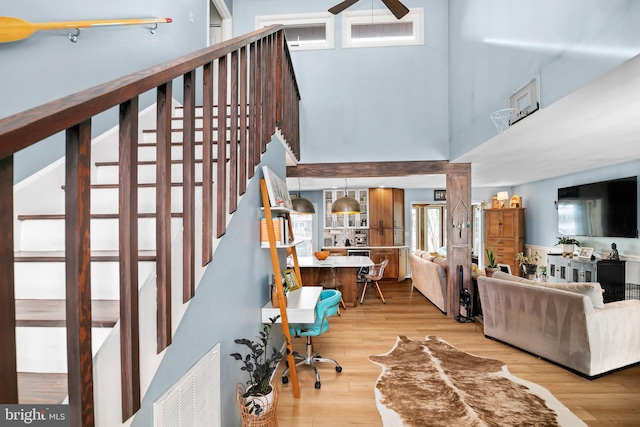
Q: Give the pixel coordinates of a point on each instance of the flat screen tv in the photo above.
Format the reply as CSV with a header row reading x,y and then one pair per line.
x,y
600,209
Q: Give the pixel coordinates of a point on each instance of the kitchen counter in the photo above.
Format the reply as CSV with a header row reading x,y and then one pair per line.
x,y
335,271
398,267
363,247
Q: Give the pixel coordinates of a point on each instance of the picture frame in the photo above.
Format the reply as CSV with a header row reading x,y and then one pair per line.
x,y
585,253
277,189
439,194
290,279
506,268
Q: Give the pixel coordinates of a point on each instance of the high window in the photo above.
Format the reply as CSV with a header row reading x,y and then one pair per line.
x,y
303,31
381,28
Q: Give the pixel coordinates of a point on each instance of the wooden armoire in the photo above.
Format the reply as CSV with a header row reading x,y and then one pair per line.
x,y
504,231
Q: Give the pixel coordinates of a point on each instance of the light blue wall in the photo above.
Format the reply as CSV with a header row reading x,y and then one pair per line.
x,y
496,46
356,103
227,303
47,66
541,221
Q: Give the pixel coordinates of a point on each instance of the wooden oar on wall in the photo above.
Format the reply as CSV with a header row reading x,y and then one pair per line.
x,y
14,29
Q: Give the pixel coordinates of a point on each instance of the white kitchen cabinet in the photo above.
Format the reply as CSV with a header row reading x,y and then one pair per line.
x,y
343,221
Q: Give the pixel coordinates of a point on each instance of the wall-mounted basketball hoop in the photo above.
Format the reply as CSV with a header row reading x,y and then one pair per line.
x,y
502,119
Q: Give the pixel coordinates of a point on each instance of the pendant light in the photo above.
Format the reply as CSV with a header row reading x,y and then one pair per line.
x,y
345,205
302,205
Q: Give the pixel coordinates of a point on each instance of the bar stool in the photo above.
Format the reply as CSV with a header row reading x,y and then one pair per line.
x,y
371,278
333,282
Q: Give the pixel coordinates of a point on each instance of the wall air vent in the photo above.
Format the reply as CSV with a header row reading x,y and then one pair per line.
x,y
195,399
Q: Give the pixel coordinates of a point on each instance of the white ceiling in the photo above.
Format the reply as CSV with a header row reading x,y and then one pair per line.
x,y
597,125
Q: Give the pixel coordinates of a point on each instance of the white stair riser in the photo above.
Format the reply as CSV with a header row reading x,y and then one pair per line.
x,y
46,280
105,200
177,136
48,235
150,152
146,174
44,349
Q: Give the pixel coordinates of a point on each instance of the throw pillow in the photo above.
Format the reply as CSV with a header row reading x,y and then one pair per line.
x,y
441,261
591,289
426,256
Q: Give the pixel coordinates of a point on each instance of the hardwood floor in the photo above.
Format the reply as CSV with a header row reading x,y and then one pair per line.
x,y
347,398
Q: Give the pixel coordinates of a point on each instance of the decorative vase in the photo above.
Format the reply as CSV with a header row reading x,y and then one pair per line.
x,y
529,270
567,250
490,270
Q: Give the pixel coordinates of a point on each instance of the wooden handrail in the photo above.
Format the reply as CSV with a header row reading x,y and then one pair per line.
x,y
262,94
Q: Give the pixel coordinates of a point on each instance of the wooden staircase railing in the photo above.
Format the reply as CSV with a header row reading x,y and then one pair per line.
x,y
256,78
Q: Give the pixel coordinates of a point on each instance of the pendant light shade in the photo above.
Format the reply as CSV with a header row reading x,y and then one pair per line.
x,y
302,205
345,205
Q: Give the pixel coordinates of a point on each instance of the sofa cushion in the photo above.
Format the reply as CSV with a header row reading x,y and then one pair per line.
x,y
506,276
591,289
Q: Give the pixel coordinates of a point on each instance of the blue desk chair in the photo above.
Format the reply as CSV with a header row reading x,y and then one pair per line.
x,y
327,306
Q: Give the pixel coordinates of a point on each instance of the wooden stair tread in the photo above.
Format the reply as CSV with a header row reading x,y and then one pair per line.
x,y
59,256
93,216
144,185
146,162
36,388
51,313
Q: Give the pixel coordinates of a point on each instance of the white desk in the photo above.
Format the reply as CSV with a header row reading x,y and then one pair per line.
x,y
301,306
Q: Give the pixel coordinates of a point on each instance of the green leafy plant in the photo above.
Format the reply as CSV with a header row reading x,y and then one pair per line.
x,y
259,364
567,241
491,258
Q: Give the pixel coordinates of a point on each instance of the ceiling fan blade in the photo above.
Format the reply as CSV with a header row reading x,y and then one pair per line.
x,y
342,6
397,8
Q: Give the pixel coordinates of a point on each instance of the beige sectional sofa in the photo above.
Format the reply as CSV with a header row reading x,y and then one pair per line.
x,y
566,323
429,276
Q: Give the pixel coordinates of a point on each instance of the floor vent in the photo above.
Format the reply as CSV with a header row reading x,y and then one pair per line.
x,y
195,399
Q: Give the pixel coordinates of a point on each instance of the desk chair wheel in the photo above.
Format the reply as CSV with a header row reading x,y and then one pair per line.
x,y
317,384
285,380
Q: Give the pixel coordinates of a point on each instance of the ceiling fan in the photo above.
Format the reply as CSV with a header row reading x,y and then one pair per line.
x,y
397,8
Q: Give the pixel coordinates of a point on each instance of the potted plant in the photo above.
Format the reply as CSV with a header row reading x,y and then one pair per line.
x,y
543,273
492,265
529,264
568,244
260,365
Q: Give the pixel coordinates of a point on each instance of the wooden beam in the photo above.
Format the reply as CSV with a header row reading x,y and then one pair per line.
x,y
163,216
78,275
128,245
8,374
221,189
207,166
188,186
376,169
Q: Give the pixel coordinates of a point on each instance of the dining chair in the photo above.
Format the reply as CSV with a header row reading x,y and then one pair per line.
x,y
326,307
371,279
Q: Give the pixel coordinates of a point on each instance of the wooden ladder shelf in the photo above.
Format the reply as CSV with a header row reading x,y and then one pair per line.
x,y
277,271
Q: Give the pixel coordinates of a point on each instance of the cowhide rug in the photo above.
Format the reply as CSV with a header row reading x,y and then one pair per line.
x,y
431,383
